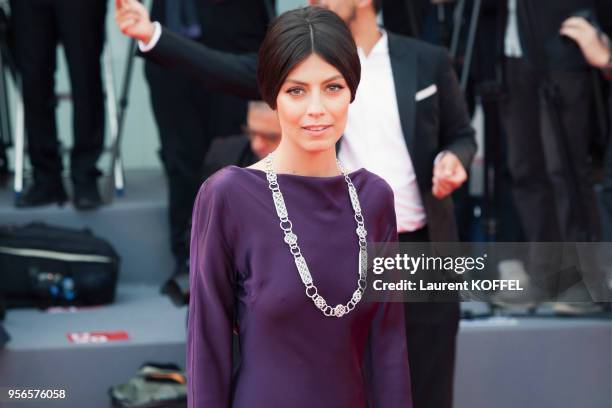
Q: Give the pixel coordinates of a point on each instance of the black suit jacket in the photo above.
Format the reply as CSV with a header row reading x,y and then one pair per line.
x,y
539,22
249,19
225,151
439,122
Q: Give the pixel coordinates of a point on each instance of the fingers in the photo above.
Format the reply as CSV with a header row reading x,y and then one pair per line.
x,y
444,187
577,28
571,32
440,191
449,175
446,166
579,22
124,5
121,4
125,15
126,20
447,183
125,26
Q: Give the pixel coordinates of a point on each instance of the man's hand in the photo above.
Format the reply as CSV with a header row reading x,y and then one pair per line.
x,y
133,20
594,45
448,175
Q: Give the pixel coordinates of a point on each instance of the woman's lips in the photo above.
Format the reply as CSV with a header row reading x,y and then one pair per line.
x,y
316,129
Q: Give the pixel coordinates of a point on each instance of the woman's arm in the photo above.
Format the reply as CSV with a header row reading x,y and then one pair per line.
x,y
211,303
387,369
389,375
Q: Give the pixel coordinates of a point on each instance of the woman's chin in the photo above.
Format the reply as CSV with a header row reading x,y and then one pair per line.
x,y
318,146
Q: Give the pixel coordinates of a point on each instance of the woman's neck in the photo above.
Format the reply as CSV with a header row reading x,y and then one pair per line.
x,y
290,159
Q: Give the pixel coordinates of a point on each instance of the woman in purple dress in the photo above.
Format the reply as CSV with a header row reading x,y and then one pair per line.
x,y
278,250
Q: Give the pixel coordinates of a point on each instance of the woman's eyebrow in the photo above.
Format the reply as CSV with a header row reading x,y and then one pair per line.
x,y
295,81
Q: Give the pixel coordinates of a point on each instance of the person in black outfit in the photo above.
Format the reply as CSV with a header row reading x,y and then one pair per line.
x,y
38,26
596,47
188,117
537,164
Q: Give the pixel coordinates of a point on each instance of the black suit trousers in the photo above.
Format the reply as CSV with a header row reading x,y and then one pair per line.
x,y
606,193
188,118
431,334
38,27
548,208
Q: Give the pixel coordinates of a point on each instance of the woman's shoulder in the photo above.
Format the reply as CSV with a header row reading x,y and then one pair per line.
x,y
374,184
375,195
223,183
225,180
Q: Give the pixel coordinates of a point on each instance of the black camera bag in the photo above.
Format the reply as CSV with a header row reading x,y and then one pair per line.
x,y
42,266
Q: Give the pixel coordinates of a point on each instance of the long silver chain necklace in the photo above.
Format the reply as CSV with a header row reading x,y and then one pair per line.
x,y
300,262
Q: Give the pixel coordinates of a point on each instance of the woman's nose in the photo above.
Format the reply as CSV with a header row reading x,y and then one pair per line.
x,y
315,107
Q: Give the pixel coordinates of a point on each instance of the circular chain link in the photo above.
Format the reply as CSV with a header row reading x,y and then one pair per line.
x,y
291,240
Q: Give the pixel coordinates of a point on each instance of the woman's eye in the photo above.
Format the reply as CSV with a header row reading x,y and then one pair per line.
x,y
335,88
295,91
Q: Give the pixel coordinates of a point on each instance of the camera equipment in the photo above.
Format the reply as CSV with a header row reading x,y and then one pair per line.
x,y
7,67
412,18
270,9
115,181
469,48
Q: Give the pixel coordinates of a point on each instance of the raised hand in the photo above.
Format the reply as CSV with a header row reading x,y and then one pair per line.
x,y
133,20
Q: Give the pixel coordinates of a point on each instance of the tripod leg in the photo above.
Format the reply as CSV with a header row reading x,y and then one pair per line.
x,y
270,9
111,107
19,140
458,17
5,122
115,167
470,45
412,18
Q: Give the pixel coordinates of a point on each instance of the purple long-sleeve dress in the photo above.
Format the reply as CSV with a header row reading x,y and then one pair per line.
x,y
243,275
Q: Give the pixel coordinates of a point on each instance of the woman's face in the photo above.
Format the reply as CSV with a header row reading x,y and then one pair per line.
x,y
312,105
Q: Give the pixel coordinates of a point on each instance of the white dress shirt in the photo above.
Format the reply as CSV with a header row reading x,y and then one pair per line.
x,y
154,38
374,139
512,41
